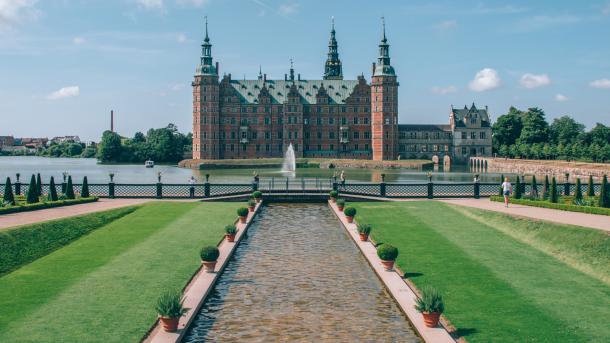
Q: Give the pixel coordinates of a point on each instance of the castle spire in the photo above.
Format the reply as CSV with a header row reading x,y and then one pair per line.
x,y
206,66
384,67
333,69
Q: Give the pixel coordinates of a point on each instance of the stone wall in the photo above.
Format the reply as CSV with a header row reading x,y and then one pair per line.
x,y
544,167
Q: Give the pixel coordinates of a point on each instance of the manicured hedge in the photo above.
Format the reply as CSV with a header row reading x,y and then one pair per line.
x,y
24,244
555,206
41,205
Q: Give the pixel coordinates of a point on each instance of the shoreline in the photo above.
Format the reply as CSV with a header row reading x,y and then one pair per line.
x,y
316,163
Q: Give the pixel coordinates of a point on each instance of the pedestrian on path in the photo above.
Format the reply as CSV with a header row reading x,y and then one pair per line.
x,y
342,178
507,190
192,187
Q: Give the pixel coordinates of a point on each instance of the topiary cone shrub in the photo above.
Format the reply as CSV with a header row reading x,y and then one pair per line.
x,y
32,195
430,305
257,195
518,188
84,192
242,212
387,253
230,232
70,189
52,190
553,196
340,204
501,190
604,193
38,185
364,230
170,309
333,196
209,256
578,191
9,197
546,187
534,187
590,187
350,213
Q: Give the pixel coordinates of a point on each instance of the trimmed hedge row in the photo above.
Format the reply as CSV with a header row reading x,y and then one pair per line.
x,y
41,205
555,206
24,244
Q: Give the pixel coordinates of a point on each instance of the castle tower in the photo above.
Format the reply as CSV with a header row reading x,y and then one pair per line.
x,y
206,119
384,104
333,69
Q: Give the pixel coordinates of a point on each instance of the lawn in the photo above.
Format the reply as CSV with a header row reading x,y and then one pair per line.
x,y
102,287
504,279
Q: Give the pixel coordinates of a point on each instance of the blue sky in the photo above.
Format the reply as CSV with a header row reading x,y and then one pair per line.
x,y
64,64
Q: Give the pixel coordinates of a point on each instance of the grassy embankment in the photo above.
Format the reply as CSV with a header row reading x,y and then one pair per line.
x,y
504,279
102,287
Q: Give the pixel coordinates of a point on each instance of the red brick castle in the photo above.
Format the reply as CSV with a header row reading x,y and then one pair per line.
x,y
332,117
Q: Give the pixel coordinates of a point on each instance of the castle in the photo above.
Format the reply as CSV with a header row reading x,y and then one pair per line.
x,y
328,118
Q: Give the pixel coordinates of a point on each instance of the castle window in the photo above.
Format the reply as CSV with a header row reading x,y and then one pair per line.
x,y
366,147
473,120
482,135
331,135
356,135
307,136
424,148
267,147
355,120
343,109
426,135
464,150
387,121
267,120
473,135
232,136
243,147
355,146
332,147
319,147
435,147
232,147
258,147
319,135
464,135
319,120
306,121
366,120
254,135
343,121
367,135
331,121
446,147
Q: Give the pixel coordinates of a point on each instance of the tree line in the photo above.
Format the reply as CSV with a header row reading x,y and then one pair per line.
x,y
160,145
527,134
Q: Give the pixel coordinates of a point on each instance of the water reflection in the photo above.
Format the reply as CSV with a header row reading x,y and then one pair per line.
x,y
299,278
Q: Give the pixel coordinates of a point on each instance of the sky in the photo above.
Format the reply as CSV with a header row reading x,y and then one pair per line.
x,y
65,64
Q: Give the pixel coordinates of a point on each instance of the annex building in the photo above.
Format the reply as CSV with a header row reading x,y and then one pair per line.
x,y
330,118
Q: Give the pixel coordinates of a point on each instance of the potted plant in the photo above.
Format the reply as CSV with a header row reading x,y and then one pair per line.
x,y
169,307
258,195
242,212
349,212
209,256
333,196
340,204
430,305
251,205
387,253
230,231
364,230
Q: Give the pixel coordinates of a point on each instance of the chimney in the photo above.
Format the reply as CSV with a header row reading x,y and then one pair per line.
x,y
265,77
373,68
299,76
111,120
285,77
217,68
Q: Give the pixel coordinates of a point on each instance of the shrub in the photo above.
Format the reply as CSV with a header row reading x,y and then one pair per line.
x,y
340,202
251,202
604,193
387,252
85,189
518,188
588,205
209,253
430,301
333,194
169,304
70,188
350,211
534,186
38,185
46,204
8,197
364,228
32,196
242,211
590,187
231,229
257,194
501,192
553,196
578,191
52,190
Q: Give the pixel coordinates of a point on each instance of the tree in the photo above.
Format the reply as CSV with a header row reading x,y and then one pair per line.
x,y
9,197
545,187
38,184
32,195
535,128
70,188
604,193
84,193
507,128
600,134
52,190
590,187
109,149
565,130
554,196
518,188
578,192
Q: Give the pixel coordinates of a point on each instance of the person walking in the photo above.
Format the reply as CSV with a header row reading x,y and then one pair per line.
x,y
342,178
192,186
507,190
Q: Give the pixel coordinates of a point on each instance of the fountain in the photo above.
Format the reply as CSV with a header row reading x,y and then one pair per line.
x,y
290,164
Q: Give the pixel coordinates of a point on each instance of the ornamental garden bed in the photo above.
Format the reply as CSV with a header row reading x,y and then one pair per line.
x,y
22,206
564,204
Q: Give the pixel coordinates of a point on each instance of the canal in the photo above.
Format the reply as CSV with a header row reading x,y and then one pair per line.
x,y
299,277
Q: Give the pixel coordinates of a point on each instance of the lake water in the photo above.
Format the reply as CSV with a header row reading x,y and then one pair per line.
x,y
130,173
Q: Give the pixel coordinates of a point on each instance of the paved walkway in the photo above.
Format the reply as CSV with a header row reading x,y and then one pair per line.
x,y
594,221
23,218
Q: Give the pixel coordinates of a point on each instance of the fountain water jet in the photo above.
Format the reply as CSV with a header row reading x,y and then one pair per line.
x,y
290,164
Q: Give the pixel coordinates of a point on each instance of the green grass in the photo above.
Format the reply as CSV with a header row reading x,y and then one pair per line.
x,y
22,206
504,279
103,287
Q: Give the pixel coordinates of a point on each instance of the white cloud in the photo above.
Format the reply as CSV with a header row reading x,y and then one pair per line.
x,y
561,98
64,92
287,9
196,3
181,38
484,80
16,11
544,22
601,83
446,25
177,86
444,90
151,4
78,40
530,81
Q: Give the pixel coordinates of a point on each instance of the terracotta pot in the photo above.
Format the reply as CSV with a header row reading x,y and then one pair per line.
x,y
431,319
340,208
170,324
333,200
258,200
209,266
388,265
230,237
251,208
363,237
349,219
242,219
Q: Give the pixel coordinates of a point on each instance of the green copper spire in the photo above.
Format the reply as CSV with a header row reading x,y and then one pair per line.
x,y
383,67
206,66
333,69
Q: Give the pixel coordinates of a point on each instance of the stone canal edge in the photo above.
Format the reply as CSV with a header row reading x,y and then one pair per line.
x,y
403,293
200,285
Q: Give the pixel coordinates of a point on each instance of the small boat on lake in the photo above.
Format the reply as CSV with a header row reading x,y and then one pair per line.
x,y
149,164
